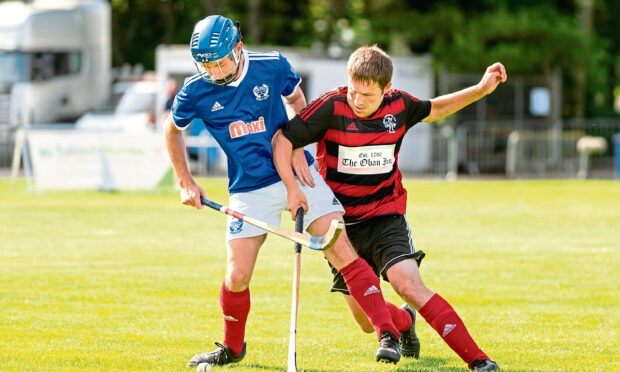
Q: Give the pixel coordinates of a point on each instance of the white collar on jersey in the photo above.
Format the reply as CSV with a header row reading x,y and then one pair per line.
x,y
246,63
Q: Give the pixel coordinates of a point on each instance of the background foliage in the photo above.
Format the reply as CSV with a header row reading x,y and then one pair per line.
x,y
528,36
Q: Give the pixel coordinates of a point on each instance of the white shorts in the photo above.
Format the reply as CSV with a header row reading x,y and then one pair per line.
x,y
268,203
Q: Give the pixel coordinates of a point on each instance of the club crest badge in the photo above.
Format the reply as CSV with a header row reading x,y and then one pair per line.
x,y
261,92
389,122
235,226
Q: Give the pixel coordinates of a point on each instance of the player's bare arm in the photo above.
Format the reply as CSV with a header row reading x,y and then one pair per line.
x,y
282,152
295,103
448,104
301,168
190,191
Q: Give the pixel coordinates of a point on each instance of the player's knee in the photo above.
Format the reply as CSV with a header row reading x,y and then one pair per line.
x,y
322,224
414,293
342,253
410,286
238,281
340,256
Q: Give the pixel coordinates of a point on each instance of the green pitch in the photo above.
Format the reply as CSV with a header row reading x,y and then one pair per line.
x,y
128,281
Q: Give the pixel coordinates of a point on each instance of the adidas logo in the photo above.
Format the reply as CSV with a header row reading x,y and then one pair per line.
x,y
371,290
352,126
230,318
335,202
216,107
447,329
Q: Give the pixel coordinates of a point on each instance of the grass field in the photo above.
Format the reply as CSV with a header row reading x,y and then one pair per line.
x,y
128,281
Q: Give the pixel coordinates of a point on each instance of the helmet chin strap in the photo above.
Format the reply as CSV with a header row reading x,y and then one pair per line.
x,y
226,80
233,74
237,59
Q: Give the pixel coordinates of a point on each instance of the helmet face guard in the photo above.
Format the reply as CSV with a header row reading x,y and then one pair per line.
x,y
220,72
213,46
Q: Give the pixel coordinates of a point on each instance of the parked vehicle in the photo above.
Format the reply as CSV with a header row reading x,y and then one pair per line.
x,y
54,60
131,108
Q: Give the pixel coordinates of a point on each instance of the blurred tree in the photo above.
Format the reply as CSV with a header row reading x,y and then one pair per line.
x,y
138,26
254,25
605,18
211,6
529,36
283,23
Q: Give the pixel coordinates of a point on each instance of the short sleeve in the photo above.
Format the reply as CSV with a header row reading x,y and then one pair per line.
x,y
311,123
290,79
416,109
182,109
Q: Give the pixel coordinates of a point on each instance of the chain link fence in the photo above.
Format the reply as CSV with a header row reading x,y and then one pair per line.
x,y
537,149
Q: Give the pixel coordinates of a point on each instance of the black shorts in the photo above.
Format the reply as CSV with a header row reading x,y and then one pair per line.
x,y
382,241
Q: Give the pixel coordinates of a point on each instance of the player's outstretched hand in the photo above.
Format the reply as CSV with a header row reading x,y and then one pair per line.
x,y
191,193
495,74
300,166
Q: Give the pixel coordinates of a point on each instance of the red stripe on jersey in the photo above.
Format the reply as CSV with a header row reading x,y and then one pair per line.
x,y
305,113
362,139
330,161
320,157
359,191
343,109
395,107
391,204
311,106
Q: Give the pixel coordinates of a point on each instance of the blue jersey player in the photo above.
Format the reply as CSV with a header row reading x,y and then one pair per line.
x,y
239,96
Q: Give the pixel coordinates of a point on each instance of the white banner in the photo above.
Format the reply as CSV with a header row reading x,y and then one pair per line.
x,y
374,159
69,159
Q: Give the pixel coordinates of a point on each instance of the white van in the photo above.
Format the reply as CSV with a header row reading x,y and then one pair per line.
x,y
54,60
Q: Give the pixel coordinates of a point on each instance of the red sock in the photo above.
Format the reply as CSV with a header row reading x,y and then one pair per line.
x,y
442,317
364,286
235,308
400,317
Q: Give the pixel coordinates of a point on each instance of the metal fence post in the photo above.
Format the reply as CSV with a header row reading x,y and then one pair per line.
x,y
512,148
452,161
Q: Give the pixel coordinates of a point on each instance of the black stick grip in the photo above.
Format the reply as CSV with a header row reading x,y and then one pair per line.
x,y
299,226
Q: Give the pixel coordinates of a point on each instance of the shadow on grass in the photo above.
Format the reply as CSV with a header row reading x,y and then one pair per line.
x,y
424,364
265,368
427,364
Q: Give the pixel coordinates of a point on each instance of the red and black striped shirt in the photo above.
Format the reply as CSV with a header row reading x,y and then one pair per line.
x,y
358,157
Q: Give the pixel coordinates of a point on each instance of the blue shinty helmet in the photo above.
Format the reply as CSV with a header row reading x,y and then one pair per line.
x,y
213,39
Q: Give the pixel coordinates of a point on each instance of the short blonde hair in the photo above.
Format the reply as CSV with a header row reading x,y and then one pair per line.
x,y
370,64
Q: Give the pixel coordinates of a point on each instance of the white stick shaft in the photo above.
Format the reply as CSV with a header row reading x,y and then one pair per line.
x,y
313,242
291,235
292,344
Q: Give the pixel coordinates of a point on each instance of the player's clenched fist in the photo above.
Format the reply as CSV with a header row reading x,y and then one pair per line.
x,y
190,195
495,74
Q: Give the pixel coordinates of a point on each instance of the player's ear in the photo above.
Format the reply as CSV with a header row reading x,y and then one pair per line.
x,y
388,86
239,46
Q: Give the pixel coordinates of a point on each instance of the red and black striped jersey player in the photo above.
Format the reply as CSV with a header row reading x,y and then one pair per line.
x,y
359,129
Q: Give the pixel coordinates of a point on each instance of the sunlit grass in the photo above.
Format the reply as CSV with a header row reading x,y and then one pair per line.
x,y
129,281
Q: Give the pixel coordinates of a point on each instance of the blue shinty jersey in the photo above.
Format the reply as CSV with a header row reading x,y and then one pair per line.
x,y
242,116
